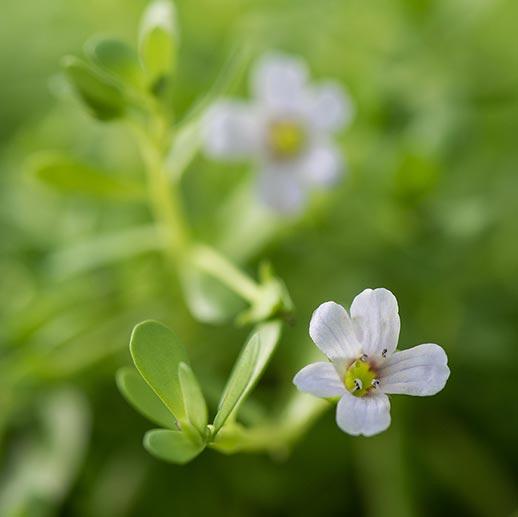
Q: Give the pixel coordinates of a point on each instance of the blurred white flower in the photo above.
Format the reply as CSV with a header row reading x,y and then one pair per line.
x,y
364,366
286,130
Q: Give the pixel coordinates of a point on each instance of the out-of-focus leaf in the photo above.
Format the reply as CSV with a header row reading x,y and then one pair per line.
x,y
208,300
158,40
173,446
137,392
247,370
193,399
105,249
117,59
66,175
157,352
44,467
104,98
253,219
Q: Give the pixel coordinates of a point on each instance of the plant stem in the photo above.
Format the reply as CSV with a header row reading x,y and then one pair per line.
x,y
279,435
212,262
166,206
164,198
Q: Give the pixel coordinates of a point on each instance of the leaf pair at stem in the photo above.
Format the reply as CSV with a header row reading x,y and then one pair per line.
x,y
115,75
165,389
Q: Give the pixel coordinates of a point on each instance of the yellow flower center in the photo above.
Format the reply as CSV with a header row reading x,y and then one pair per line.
x,y
360,378
286,138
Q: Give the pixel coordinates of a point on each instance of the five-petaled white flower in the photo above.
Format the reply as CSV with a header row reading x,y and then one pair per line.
x,y
285,130
364,366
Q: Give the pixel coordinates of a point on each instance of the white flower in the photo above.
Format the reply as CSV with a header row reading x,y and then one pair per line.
x,y
364,365
285,130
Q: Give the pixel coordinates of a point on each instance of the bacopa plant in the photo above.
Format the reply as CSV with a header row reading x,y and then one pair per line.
x,y
287,133
164,388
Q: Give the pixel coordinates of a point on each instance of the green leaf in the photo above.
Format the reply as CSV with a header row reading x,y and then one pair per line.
x,y
158,40
103,249
136,391
117,59
209,301
173,446
45,460
193,399
104,98
247,370
68,176
157,353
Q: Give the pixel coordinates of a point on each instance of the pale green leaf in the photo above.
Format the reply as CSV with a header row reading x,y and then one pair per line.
x,y
104,98
64,174
208,300
158,40
103,249
247,370
117,59
157,352
193,399
173,446
136,391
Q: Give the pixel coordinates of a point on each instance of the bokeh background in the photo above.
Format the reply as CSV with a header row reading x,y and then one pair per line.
x,y
428,209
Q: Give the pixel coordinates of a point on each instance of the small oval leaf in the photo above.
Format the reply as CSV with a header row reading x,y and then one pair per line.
x,y
173,446
208,300
117,59
157,353
136,391
158,41
193,399
66,175
105,100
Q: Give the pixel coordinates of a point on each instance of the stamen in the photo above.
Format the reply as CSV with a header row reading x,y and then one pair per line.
x,y
384,353
375,383
358,384
364,357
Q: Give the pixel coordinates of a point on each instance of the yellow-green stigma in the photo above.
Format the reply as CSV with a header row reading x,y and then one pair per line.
x,y
286,138
360,378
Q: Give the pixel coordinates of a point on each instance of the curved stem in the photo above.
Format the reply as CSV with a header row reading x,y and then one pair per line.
x,y
166,205
165,201
212,262
279,435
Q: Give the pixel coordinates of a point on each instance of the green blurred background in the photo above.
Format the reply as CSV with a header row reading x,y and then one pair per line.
x,y
428,210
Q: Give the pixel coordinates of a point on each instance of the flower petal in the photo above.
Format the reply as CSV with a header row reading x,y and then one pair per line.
x,y
231,130
330,107
421,370
279,80
332,331
319,379
376,321
322,165
281,189
367,415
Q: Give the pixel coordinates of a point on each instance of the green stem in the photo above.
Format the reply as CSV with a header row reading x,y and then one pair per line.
x,y
279,435
167,208
210,261
164,198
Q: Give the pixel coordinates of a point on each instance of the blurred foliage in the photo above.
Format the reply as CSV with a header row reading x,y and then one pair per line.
x,y
427,210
